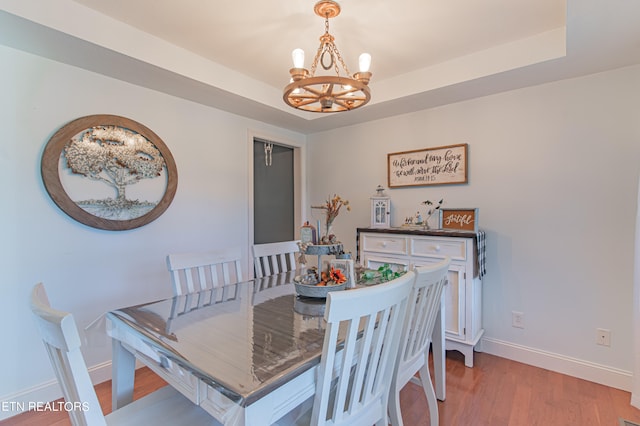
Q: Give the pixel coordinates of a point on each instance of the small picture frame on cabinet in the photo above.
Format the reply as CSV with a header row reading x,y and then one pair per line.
x,y
460,219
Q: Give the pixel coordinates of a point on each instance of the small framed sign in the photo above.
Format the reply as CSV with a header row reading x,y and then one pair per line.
x,y
431,166
308,234
459,219
347,268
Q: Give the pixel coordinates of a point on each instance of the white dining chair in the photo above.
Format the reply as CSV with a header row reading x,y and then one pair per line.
x,y
413,357
193,272
62,341
273,258
358,355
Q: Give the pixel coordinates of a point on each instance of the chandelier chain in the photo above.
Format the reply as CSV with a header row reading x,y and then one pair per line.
x,y
335,53
327,46
344,65
314,64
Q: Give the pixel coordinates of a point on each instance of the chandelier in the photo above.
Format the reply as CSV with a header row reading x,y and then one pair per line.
x,y
327,93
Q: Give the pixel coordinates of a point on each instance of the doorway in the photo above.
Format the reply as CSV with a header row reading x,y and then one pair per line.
x,y
273,192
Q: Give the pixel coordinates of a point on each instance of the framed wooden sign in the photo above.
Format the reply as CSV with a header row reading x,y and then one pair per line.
x,y
431,166
459,219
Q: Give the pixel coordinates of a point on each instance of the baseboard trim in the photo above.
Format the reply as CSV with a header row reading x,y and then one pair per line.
x,y
608,376
602,374
14,404
635,400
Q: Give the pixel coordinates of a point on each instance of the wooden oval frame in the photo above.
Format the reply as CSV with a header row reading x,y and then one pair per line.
x,y
53,184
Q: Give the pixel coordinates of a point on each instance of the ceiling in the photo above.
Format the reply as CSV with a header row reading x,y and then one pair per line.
x,y
235,55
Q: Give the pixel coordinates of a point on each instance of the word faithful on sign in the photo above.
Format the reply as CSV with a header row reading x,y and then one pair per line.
x,y
459,219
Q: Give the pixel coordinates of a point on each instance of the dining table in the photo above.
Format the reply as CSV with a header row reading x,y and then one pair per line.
x,y
247,353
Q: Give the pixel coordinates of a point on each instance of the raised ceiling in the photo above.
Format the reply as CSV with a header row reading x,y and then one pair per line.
x,y
235,55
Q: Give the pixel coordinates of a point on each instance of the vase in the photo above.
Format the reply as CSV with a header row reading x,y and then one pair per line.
x,y
328,229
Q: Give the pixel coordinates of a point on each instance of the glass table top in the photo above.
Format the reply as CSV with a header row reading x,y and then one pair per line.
x,y
244,339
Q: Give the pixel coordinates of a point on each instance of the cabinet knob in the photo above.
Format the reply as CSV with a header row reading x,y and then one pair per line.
x,y
438,247
384,244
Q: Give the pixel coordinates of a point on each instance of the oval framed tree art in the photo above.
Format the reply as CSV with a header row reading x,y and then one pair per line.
x,y
109,172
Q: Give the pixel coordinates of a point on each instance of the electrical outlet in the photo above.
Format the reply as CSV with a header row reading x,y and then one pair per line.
x,y
603,337
517,319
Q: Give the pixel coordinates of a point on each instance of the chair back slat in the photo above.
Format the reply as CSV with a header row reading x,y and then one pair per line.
x,y
194,272
423,309
422,312
62,342
274,258
359,353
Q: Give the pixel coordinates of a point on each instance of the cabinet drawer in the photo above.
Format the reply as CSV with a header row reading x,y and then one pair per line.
x,y
389,244
374,261
436,247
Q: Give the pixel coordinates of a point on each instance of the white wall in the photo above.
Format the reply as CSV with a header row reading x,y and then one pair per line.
x,y
89,271
554,172
553,169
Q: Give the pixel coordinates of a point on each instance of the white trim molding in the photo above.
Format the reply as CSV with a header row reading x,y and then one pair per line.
x,y
635,390
602,374
18,402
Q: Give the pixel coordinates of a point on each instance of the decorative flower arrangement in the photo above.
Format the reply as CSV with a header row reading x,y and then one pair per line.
x,y
332,209
431,209
332,276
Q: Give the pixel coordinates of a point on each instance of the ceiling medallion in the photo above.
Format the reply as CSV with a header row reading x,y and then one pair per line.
x,y
327,93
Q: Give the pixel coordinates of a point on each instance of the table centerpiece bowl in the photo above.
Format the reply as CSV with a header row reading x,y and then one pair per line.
x,y
307,286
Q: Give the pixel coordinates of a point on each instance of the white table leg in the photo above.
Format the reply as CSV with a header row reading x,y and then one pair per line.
x,y
437,341
122,375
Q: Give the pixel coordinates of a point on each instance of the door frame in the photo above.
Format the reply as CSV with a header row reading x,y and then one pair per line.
x,y
299,184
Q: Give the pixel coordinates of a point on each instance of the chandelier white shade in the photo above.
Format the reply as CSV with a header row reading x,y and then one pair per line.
x,y
327,93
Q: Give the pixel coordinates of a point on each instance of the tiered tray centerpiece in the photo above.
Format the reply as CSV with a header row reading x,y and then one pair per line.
x,y
317,284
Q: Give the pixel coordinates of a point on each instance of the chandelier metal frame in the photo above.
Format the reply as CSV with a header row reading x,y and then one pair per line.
x,y
327,93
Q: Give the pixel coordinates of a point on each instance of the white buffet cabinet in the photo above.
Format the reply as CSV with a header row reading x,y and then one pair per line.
x,y
403,249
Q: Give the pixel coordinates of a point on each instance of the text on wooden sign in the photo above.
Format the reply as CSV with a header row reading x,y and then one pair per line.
x,y
431,166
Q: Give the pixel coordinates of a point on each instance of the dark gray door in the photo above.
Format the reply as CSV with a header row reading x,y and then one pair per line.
x,y
273,193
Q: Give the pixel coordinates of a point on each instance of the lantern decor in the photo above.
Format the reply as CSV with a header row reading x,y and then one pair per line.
x,y
380,209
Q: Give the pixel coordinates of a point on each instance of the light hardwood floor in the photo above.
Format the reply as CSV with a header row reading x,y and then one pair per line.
x,y
495,392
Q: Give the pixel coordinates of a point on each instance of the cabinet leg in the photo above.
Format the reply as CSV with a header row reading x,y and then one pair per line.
x,y
468,358
465,350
